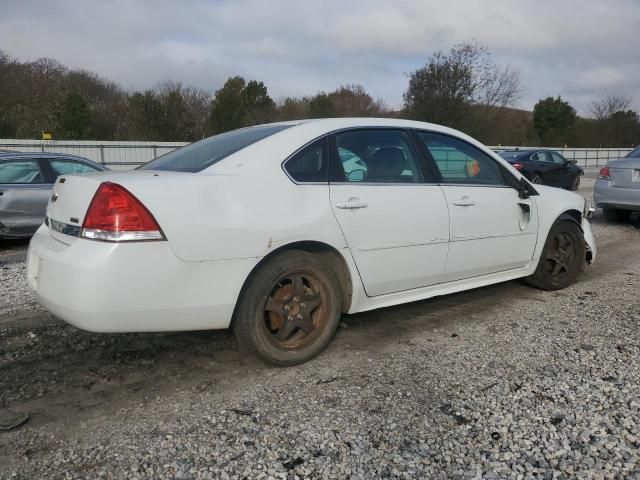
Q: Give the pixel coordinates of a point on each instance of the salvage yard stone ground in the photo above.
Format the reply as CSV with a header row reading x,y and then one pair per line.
x,y
500,382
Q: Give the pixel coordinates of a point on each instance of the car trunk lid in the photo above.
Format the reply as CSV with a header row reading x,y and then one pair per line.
x,y
72,195
625,172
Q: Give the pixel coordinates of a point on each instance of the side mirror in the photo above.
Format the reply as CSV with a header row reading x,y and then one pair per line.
x,y
523,189
573,161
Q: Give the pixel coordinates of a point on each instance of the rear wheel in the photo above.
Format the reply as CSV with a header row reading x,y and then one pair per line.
x,y
562,257
289,310
616,215
536,179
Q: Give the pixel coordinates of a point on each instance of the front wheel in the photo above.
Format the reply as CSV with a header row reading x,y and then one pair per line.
x,y
561,259
289,310
575,185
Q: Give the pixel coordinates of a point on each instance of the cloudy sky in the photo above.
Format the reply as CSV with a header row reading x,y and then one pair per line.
x,y
579,49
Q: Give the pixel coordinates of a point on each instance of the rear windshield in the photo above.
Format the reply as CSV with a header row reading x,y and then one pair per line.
x,y
635,153
200,155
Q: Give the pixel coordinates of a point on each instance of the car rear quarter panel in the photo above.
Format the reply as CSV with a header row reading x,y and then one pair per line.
x,y
225,216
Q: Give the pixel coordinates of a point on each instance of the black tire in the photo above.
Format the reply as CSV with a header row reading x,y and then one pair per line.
x,y
616,215
536,179
277,317
562,257
575,185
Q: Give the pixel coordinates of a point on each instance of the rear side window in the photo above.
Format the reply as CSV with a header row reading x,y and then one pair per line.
x,y
377,156
461,163
65,167
635,153
203,154
309,164
20,172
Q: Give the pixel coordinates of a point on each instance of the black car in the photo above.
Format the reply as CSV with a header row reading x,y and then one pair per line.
x,y
26,180
545,167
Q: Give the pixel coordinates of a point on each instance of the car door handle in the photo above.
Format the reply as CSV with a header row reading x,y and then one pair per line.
x,y
352,203
464,202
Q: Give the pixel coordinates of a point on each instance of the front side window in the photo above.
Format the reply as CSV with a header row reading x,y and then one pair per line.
x,y
20,172
461,163
542,157
200,155
65,167
377,156
309,165
557,158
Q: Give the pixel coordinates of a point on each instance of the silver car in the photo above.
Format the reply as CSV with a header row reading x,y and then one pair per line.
x,y
617,189
26,180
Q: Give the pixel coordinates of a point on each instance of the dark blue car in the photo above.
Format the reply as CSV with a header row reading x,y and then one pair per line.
x,y
545,167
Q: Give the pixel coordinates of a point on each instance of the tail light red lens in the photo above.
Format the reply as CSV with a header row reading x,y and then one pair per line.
x,y
518,166
604,173
116,215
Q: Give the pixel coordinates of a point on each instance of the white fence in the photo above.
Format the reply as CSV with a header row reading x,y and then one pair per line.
x,y
128,155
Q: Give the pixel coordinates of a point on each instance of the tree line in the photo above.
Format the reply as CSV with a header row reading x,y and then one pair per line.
x,y
462,88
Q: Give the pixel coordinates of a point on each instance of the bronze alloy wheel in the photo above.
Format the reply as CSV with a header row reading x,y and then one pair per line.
x,y
295,312
290,308
560,256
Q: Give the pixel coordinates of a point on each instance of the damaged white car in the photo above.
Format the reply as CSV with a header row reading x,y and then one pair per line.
x,y
277,230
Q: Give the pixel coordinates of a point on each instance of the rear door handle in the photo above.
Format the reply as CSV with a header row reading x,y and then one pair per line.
x,y
352,203
464,202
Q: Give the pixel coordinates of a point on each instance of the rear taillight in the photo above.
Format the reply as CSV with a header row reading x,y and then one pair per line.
x,y
518,166
116,215
604,173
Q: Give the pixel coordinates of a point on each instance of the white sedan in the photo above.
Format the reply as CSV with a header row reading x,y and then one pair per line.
x,y
277,230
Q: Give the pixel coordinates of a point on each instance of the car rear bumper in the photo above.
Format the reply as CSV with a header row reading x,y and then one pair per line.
x,y
606,195
132,287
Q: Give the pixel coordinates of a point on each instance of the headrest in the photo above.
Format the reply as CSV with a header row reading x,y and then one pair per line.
x,y
387,163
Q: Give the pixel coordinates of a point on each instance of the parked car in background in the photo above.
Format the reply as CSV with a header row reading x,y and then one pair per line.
x,y
26,180
545,167
617,188
270,230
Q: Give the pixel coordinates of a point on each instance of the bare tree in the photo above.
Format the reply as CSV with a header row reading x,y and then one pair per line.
x,y
605,107
460,87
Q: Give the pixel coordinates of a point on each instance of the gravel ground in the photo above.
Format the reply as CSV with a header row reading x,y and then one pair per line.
x,y
500,382
14,292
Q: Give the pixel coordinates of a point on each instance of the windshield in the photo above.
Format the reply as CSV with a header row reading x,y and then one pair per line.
x,y
200,155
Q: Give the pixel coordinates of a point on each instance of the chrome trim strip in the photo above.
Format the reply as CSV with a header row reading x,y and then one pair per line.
x,y
435,241
109,236
64,228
